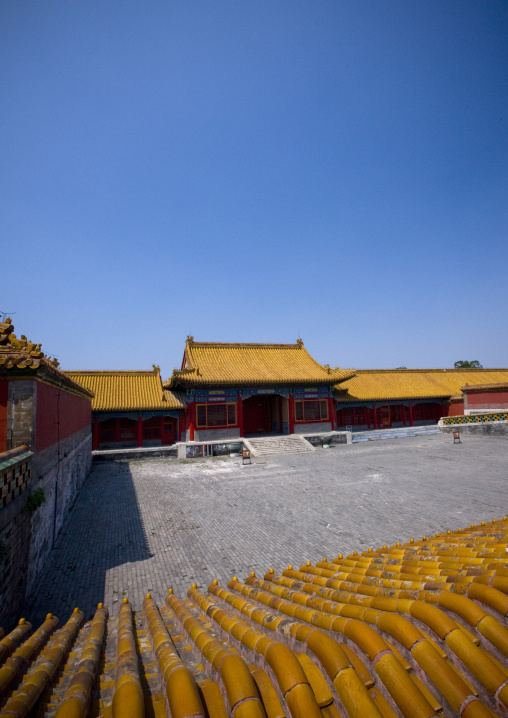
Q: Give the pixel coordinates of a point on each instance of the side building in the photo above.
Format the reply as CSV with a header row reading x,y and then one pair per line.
x,y
130,408
234,390
386,398
45,456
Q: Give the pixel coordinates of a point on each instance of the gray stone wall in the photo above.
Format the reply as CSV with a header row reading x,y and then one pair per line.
x,y
20,413
317,428
332,439
26,538
15,533
60,470
497,429
213,434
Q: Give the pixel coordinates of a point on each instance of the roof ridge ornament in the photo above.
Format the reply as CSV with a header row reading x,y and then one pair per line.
x,y
299,342
9,343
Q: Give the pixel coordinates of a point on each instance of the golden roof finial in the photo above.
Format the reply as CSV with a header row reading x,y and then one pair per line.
x,y
299,342
190,339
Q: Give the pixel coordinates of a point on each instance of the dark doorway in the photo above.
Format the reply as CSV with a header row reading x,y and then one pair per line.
x,y
262,415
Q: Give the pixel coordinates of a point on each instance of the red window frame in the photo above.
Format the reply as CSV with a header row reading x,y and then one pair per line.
x,y
300,410
207,408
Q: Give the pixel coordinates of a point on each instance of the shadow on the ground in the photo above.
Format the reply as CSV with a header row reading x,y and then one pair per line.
x,y
103,530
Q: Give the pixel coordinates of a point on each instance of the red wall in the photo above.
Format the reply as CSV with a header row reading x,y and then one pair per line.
x,y
487,399
4,395
456,408
57,417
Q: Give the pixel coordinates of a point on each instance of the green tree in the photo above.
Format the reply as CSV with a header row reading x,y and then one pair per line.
x,y
475,364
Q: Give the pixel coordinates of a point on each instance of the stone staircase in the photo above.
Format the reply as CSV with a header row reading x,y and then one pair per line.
x,y
399,433
270,445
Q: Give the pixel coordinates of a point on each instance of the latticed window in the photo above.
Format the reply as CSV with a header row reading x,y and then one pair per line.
x,y
424,411
152,428
213,415
309,410
127,429
107,430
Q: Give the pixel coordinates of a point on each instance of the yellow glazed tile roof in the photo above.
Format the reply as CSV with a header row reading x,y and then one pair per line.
x,y
230,364
379,384
500,386
413,630
126,390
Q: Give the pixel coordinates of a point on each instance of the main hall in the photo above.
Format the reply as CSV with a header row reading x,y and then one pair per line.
x,y
233,390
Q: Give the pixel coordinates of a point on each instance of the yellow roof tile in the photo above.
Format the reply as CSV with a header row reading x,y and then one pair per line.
x,y
379,384
350,634
498,386
126,390
214,363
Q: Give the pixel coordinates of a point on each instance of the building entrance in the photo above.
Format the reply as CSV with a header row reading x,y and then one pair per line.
x,y
262,415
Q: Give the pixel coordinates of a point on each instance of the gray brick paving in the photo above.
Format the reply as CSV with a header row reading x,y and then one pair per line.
x,y
146,525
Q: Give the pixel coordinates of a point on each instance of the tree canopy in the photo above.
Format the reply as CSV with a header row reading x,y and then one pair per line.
x,y
475,364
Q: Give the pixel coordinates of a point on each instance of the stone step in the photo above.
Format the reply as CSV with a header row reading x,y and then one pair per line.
x,y
270,445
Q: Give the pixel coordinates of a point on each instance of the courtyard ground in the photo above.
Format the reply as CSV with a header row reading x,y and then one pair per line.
x,y
144,526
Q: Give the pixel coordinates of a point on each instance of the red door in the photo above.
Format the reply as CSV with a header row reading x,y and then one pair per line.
x,y
257,415
168,430
384,415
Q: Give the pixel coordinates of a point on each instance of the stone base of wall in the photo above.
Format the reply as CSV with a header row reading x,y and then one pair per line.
x,y
497,429
213,434
26,538
317,428
334,438
15,534
60,470
216,448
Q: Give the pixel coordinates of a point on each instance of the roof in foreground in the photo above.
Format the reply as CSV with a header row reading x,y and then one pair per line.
x,y
413,630
245,364
126,390
379,384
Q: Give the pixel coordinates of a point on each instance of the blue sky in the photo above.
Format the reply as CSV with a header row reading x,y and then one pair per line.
x,y
256,172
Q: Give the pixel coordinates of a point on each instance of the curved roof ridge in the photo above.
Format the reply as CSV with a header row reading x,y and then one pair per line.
x,y
245,345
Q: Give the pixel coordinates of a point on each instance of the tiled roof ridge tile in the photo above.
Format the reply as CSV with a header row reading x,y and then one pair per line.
x,y
245,345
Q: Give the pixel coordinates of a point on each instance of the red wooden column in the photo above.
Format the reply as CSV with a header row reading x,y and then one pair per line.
x,y
95,433
239,411
331,412
410,413
192,422
291,414
375,415
139,431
